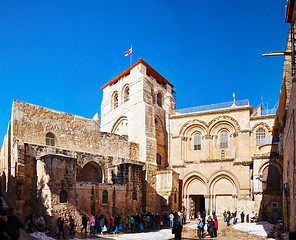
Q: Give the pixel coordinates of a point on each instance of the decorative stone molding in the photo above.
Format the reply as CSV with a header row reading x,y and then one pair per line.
x,y
217,160
262,124
244,163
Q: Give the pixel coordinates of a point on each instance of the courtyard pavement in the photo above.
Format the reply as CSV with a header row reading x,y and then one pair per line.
x,y
188,233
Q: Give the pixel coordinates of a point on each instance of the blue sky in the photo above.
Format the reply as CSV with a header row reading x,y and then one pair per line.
x,y
57,54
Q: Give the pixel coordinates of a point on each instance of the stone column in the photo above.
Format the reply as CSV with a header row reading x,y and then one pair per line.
x,y
207,203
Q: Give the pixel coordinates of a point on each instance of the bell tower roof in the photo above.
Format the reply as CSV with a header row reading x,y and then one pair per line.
x,y
150,71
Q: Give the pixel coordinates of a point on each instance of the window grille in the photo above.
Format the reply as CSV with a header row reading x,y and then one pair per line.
x,y
260,135
115,100
126,94
224,139
197,142
50,139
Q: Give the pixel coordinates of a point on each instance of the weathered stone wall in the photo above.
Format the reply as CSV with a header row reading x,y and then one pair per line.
x,y
289,175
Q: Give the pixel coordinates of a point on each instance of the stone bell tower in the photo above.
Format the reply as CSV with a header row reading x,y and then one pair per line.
x,y
137,104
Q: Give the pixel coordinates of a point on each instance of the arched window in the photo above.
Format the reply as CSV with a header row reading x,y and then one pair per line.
x,y
223,139
197,141
158,159
50,139
126,94
105,196
260,135
115,100
134,196
63,196
159,99
271,181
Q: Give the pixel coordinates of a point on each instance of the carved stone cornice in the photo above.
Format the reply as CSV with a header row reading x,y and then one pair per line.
x,y
244,163
217,160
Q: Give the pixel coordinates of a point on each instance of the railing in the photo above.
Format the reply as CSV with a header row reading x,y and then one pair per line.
x,y
269,111
238,103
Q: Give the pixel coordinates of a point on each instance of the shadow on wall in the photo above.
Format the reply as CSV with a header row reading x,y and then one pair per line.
x,y
271,206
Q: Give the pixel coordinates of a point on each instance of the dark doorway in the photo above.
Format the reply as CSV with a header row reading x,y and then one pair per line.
x,y
197,204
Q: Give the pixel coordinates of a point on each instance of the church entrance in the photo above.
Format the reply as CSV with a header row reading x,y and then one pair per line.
x,y
197,204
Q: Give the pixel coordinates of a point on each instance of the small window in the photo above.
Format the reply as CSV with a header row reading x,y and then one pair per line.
x,y
197,142
115,100
50,139
260,135
175,197
158,159
105,197
126,94
224,139
63,196
134,196
159,99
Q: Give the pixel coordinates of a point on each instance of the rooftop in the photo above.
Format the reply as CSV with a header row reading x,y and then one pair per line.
x,y
150,71
225,105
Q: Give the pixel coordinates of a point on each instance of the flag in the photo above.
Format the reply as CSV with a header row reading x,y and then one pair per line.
x,y
128,52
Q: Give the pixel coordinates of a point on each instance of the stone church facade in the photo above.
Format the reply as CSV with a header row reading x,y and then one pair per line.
x,y
144,155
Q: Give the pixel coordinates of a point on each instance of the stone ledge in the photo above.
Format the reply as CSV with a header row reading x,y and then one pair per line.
x,y
217,160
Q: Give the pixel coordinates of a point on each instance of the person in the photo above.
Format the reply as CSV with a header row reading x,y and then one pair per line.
x,y
13,224
132,221
191,216
72,224
84,224
3,221
234,217
171,219
200,228
216,225
29,221
103,225
228,218
112,227
214,214
247,218
116,224
177,230
211,227
92,224
242,217
255,217
127,223
225,215
252,216
60,224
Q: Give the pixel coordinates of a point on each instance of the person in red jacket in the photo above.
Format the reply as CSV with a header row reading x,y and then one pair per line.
x,y
216,225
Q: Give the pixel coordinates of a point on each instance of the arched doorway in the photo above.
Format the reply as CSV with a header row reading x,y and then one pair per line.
x,y
195,194
223,194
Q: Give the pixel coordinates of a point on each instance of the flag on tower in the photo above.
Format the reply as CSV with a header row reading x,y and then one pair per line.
x,y
128,52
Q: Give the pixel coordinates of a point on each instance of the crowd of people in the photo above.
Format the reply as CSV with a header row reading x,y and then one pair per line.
x,y
10,223
137,222
228,216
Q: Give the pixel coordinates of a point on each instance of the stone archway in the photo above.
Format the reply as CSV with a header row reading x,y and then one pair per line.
x,y
91,172
223,194
195,194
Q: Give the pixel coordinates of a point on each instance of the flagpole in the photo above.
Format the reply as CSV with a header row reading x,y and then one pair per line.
x,y
131,55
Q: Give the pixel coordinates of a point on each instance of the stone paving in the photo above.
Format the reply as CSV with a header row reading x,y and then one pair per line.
x,y
224,233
